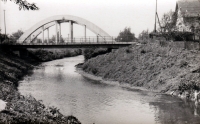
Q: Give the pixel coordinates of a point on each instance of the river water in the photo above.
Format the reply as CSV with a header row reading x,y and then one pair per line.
x,y
57,83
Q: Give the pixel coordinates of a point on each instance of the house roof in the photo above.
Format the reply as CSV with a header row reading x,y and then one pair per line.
x,y
189,8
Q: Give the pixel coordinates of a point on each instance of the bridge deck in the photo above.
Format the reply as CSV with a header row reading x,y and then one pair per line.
x,y
70,45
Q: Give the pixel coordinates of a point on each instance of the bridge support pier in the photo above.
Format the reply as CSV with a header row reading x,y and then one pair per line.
x,y
71,31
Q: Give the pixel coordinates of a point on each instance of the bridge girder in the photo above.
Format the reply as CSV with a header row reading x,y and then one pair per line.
x,y
62,18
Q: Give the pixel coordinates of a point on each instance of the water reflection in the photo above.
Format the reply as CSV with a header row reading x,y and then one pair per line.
x,y
59,76
169,110
96,83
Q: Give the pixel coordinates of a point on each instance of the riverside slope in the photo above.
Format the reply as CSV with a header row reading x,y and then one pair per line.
x,y
23,109
161,69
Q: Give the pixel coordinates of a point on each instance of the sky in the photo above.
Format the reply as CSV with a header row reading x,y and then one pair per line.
x,y
110,15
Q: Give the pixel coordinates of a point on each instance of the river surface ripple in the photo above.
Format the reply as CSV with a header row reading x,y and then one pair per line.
x,y
58,84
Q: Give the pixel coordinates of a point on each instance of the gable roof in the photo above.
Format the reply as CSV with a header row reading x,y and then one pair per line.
x,y
189,8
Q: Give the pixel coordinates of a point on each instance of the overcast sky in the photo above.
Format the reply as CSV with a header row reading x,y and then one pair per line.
x,y
110,15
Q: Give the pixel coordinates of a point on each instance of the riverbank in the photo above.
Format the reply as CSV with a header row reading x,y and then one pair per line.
x,y
148,65
108,81
23,109
45,55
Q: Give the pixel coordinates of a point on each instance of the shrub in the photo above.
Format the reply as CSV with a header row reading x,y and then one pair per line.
x,y
128,50
183,64
93,52
143,51
94,71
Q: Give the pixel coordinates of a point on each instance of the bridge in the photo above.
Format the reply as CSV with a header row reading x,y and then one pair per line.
x,y
111,45
102,39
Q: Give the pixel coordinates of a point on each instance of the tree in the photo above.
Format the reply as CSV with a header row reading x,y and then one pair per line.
x,y
126,36
16,35
11,39
23,4
62,40
168,22
3,37
144,35
52,39
168,25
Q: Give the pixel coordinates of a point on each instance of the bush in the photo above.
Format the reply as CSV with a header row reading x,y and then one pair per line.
x,y
48,55
143,51
188,86
94,71
128,50
183,64
93,52
126,36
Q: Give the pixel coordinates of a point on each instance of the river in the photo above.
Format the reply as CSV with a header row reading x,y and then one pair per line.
x,y
57,83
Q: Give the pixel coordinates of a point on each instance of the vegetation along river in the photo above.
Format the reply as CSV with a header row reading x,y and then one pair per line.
x,y
57,83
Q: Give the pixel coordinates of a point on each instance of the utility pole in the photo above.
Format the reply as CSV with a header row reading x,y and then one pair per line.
x,y
5,23
155,17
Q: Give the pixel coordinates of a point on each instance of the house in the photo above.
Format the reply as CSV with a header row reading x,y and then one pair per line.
x,y
188,17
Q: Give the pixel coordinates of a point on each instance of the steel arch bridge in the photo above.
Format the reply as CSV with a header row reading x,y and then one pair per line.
x,y
45,24
102,39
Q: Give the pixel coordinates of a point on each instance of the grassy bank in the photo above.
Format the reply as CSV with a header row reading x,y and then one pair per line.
x,y
149,65
23,109
93,52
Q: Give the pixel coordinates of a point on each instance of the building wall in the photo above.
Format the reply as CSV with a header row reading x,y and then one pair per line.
x,y
185,23
180,24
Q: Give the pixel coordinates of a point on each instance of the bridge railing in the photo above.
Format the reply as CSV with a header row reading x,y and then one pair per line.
x,y
75,40
74,43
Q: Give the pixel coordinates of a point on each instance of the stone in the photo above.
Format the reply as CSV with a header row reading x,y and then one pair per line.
x,y
2,105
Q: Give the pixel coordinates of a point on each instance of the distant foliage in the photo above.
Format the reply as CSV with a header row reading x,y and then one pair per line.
x,y
62,39
93,52
168,22
10,39
144,35
126,36
3,37
48,55
51,40
23,4
16,35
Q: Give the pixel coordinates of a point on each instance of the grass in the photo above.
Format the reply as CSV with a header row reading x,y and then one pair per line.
x,y
149,65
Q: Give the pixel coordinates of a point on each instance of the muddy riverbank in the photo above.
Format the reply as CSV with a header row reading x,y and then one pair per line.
x,y
23,109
